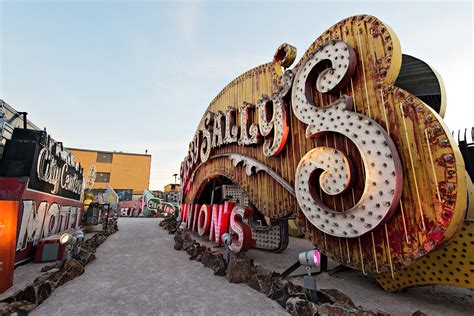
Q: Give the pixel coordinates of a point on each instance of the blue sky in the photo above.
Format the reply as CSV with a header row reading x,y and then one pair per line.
x,y
137,75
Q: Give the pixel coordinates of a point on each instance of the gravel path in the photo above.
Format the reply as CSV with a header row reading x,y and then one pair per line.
x,y
137,272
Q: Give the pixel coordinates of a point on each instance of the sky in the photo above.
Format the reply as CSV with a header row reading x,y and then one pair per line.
x,y
138,75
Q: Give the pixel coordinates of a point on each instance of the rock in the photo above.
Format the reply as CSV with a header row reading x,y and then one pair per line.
x,y
215,261
283,291
178,240
21,307
419,313
4,309
178,245
191,250
296,290
110,227
203,252
336,310
92,258
85,256
240,268
36,293
336,296
281,295
72,269
17,296
265,282
323,297
187,240
197,251
94,242
341,310
252,281
169,224
299,307
260,269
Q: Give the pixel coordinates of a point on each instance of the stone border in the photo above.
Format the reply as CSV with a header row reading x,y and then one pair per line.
x,y
241,269
27,299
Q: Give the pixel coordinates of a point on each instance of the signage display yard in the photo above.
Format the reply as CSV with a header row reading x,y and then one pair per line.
x,y
346,141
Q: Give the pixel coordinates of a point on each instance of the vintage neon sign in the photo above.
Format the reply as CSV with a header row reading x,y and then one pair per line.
x,y
368,168
47,188
49,169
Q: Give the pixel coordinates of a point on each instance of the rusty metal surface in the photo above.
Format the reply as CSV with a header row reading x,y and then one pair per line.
x,y
450,265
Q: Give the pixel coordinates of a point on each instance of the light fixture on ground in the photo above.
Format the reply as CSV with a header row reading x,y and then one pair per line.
x,y
227,240
310,259
73,243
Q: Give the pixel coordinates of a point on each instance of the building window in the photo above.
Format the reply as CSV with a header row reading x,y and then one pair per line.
x,y
104,157
103,177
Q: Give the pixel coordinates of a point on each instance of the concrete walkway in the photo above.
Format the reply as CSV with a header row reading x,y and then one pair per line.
x,y
137,272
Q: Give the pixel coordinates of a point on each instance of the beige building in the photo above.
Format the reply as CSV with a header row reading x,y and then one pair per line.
x,y
122,171
172,187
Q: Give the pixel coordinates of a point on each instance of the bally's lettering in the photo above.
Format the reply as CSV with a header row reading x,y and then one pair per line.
x,y
272,125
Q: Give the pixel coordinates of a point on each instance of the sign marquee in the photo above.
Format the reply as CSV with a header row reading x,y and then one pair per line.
x,y
49,166
48,171
372,174
47,184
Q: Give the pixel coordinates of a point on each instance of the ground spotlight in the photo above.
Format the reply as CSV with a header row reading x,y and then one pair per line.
x,y
66,239
310,258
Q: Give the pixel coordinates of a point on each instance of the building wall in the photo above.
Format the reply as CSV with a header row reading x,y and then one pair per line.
x,y
127,171
172,187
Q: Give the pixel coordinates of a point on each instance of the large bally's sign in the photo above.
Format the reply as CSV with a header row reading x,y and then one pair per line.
x,y
351,140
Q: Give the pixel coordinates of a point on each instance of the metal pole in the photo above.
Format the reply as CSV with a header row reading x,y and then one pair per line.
x,y
25,120
288,271
212,194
